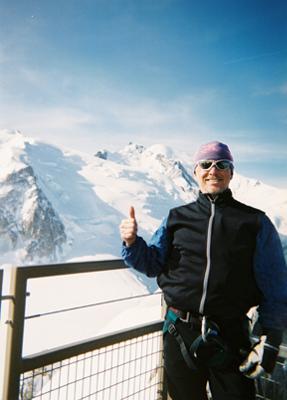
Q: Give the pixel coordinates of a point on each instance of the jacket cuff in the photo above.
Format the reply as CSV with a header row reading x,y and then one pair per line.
x,y
274,336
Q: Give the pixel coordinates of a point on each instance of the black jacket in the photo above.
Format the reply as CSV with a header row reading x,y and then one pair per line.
x,y
209,269
217,258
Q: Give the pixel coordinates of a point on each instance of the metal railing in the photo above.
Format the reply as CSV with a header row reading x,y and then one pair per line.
x,y
274,387
122,365
126,364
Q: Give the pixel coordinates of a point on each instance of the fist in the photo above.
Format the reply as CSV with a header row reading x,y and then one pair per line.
x,y
129,228
262,358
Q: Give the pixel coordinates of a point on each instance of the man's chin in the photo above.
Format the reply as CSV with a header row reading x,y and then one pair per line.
x,y
215,191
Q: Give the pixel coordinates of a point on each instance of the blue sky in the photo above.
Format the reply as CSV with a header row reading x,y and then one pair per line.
x,y
93,74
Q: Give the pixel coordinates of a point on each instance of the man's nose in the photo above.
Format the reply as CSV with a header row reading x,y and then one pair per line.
x,y
213,169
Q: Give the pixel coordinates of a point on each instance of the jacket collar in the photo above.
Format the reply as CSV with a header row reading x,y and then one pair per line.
x,y
220,199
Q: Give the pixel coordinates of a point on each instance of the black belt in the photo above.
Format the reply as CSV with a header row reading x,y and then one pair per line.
x,y
186,316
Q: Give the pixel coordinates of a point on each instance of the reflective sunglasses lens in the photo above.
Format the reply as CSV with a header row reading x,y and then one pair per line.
x,y
205,164
222,164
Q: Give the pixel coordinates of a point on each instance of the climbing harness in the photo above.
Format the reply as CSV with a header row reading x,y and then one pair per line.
x,y
207,348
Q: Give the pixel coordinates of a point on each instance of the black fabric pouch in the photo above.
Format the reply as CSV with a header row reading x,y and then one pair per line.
x,y
212,352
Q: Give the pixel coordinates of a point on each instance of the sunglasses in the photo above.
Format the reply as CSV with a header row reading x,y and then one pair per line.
x,y
219,164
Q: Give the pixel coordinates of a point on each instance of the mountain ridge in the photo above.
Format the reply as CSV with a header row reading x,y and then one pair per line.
x,y
59,204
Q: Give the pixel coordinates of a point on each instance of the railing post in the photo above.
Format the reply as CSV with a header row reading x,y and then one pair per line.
x,y
13,331
1,282
6,330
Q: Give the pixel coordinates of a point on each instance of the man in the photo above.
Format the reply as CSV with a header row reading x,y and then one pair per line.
x,y
214,259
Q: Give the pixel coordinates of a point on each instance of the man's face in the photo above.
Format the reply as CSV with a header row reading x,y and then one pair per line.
x,y
213,180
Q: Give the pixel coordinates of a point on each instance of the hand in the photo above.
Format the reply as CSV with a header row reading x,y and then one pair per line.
x,y
262,358
129,228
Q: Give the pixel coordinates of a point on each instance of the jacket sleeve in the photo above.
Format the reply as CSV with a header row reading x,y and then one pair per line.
x,y
271,276
148,258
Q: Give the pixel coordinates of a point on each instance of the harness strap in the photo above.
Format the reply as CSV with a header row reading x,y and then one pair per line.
x,y
208,335
169,326
184,351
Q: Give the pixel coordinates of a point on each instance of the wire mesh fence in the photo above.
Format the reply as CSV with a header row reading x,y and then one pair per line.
x,y
127,370
121,365
274,387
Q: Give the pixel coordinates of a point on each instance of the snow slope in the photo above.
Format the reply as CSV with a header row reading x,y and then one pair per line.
x,y
58,204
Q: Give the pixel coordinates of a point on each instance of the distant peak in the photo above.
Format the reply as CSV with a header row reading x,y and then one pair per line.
x,y
133,147
155,149
14,136
161,149
6,134
10,132
103,154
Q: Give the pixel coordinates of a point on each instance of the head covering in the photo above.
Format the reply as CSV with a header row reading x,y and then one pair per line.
x,y
213,151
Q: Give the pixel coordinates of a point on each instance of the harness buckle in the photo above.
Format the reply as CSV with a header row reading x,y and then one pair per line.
x,y
187,317
172,330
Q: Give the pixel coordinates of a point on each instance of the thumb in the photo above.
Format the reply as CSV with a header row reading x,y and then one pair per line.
x,y
132,212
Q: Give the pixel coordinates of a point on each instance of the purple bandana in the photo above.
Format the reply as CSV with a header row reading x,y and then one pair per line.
x,y
213,151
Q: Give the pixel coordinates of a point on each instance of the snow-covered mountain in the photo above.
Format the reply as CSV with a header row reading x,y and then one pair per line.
x,y
58,204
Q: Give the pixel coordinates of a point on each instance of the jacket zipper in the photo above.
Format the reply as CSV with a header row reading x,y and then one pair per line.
x,y
208,256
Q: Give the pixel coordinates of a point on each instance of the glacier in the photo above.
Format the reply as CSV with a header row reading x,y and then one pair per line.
x,y
59,204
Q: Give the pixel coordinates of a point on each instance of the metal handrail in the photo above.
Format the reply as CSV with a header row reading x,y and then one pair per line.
x,y
41,271
19,364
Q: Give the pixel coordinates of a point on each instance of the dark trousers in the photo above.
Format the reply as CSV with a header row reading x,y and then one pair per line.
x,y
225,383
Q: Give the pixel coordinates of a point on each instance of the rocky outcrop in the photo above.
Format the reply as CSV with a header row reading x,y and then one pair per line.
x,y
28,220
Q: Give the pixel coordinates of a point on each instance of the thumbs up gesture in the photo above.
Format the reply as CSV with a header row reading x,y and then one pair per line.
x,y
128,228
